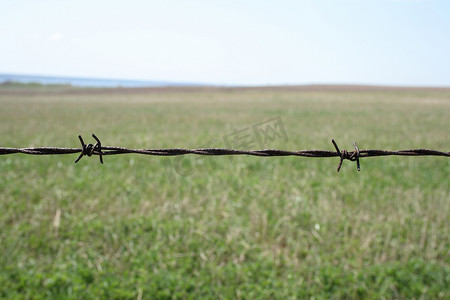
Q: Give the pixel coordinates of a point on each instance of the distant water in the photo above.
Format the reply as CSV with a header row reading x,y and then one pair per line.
x,y
86,82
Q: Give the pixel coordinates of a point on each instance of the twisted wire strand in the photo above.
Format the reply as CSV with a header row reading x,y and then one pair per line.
x,y
99,150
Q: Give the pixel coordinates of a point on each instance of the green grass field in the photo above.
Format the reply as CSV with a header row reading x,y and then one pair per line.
x,y
145,227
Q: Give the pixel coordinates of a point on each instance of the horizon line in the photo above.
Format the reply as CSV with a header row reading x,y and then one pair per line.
x,y
165,83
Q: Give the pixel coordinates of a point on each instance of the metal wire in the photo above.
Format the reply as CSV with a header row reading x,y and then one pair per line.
x,y
98,149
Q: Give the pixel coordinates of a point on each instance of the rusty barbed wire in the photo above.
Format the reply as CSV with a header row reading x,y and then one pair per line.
x,y
98,149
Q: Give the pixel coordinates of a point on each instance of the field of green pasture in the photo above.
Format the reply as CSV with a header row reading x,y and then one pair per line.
x,y
146,227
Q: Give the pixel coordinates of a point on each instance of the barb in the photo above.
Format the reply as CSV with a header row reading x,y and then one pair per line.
x,y
352,156
98,149
90,149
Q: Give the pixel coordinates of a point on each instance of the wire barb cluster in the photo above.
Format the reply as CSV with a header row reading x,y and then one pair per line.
x,y
89,149
354,156
98,149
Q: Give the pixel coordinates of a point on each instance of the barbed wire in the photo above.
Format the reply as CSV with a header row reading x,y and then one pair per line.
x,y
98,149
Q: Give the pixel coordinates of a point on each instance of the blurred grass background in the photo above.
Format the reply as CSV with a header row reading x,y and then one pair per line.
x,y
241,227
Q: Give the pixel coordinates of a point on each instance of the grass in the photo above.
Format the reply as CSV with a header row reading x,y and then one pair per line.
x,y
242,227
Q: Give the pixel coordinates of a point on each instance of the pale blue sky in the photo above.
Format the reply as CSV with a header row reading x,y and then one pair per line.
x,y
394,42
